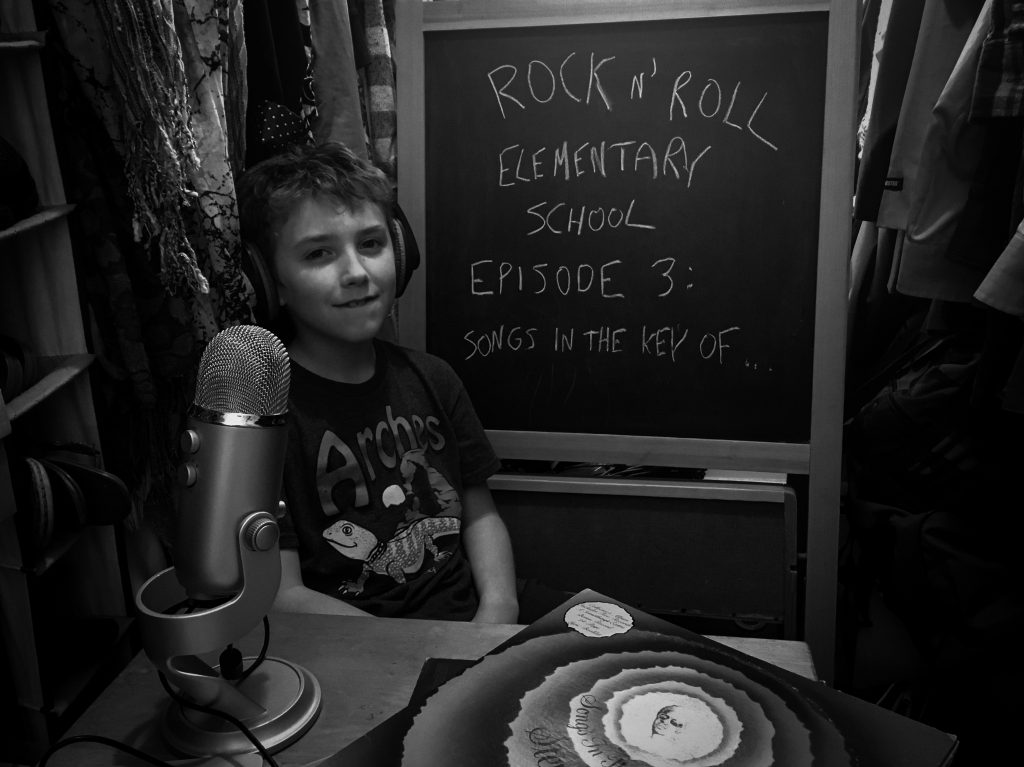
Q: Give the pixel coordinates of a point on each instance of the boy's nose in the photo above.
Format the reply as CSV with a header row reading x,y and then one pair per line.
x,y
352,270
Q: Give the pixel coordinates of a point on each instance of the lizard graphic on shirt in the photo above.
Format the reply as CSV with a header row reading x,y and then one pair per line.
x,y
402,554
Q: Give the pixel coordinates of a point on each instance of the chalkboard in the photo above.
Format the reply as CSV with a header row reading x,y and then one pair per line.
x,y
735,360
623,223
622,220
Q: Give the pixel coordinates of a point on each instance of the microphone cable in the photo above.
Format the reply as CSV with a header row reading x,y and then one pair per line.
x,y
102,741
262,654
181,701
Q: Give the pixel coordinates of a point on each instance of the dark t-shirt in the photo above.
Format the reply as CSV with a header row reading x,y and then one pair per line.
x,y
373,485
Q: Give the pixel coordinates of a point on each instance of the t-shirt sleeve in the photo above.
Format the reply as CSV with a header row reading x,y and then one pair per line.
x,y
477,457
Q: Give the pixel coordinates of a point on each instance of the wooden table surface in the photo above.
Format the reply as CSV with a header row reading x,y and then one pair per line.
x,y
366,667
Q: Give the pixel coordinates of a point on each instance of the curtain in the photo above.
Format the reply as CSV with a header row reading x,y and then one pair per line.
x,y
160,105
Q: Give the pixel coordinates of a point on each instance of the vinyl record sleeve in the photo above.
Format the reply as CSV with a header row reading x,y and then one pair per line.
x,y
564,690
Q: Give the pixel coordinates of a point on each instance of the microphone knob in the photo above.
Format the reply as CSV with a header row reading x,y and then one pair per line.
x,y
262,534
190,441
188,474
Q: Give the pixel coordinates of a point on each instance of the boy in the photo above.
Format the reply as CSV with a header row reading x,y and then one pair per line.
x,y
388,510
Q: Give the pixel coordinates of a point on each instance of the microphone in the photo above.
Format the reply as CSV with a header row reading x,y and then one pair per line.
x,y
227,562
233,451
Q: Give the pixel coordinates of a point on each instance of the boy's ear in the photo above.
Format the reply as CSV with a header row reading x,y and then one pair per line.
x,y
267,299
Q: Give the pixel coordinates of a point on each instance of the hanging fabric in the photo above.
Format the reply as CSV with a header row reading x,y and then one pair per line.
x,y
895,59
874,21
944,28
156,293
277,73
951,153
165,102
210,35
335,79
380,78
999,93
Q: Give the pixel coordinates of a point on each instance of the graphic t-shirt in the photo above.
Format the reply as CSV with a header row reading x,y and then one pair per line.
x,y
373,485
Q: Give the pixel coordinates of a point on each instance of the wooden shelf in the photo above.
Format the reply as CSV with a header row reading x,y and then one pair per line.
x,y
65,610
19,46
16,42
43,217
61,370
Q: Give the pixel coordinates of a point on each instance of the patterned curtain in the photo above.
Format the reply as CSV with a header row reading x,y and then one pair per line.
x,y
149,109
160,105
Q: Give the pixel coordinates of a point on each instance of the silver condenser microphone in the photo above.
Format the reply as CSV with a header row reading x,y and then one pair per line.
x,y
233,455
227,563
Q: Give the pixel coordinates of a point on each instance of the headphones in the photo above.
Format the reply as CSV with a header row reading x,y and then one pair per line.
x,y
267,309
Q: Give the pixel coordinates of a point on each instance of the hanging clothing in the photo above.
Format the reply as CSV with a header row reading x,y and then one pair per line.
x,y
999,93
896,58
951,154
157,73
210,35
380,81
874,20
149,132
945,27
999,88
335,79
1003,286
276,73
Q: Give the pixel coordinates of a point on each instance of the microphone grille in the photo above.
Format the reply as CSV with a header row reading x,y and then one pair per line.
x,y
244,369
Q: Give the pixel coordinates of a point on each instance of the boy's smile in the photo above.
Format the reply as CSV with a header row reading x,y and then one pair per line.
x,y
335,270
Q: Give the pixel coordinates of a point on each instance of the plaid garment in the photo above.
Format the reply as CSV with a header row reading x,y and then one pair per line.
x,y
999,85
380,76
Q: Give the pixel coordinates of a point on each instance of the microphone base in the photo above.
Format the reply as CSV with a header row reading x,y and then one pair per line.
x,y
289,694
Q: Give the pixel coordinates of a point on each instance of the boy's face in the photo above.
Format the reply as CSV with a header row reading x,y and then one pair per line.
x,y
335,271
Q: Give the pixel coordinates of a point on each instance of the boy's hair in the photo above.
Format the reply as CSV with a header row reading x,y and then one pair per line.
x,y
268,191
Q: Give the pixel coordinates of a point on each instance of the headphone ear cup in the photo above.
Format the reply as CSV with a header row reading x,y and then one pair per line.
x,y
264,286
407,253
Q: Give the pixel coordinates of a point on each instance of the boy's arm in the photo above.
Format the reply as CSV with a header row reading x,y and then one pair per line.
x,y
294,597
489,550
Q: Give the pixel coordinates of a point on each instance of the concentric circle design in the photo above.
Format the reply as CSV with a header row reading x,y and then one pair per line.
x,y
657,740
637,700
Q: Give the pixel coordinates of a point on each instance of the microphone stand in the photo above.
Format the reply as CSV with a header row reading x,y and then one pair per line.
x,y
277,702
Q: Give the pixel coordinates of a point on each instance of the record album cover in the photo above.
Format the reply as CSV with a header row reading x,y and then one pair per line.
x,y
597,683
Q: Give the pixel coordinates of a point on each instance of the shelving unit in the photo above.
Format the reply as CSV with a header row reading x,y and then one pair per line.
x,y
65,622
41,218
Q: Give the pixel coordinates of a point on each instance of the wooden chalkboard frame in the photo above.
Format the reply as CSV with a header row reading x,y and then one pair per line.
x,y
820,457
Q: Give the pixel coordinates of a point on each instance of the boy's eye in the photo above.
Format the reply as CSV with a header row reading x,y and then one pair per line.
x,y
373,244
318,254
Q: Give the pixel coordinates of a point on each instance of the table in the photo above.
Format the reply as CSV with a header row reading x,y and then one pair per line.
x,y
367,668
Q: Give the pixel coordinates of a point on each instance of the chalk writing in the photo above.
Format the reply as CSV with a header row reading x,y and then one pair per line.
x,y
563,219
663,340
621,222
488,277
604,339
541,84
514,339
670,159
668,342
540,77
